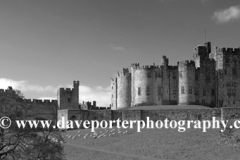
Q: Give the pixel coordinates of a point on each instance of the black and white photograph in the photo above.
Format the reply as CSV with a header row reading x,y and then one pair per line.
x,y
119,80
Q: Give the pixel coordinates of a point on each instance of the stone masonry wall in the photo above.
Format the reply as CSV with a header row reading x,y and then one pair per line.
x,y
170,114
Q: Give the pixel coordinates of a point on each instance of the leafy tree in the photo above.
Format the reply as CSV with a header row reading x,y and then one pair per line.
x,y
27,143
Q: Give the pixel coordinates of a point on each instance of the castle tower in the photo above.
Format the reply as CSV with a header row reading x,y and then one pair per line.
x,y
201,53
121,90
164,61
69,98
186,82
124,89
227,77
134,66
113,93
165,81
143,85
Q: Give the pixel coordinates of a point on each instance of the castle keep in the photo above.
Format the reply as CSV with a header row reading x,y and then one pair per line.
x,y
210,79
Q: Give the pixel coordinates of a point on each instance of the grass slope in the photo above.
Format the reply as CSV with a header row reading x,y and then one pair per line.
x,y
149,144
168,107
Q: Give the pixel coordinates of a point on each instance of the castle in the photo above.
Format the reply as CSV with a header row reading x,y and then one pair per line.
x,y
67,99
210,79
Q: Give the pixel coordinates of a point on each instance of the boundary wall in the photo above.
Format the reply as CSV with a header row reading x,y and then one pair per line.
x,y
162,114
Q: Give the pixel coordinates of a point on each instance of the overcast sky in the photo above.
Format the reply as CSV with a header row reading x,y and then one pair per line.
x,y
46,44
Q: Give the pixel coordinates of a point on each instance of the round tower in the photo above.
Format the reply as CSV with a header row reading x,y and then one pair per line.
x,y
186,85
143,85
124,89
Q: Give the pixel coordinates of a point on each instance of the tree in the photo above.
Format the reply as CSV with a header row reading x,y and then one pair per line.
x,y
27,143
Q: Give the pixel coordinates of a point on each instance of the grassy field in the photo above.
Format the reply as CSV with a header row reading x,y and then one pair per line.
x,y
168,107
162,144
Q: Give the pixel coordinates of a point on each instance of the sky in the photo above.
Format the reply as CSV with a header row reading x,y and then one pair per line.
x,y
47,44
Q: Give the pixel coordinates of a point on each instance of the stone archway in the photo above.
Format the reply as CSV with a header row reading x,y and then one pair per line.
x,y
73,118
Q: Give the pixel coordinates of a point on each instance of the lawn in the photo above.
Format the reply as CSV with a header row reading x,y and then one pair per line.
x,y
169,107
162,144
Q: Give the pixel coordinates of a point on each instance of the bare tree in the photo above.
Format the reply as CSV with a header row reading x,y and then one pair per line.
x,y
27,143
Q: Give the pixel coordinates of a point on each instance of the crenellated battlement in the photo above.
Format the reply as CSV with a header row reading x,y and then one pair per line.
x,y
66,89
164,61
186,63
133,65
172,67
3,91
40,101
147,67
124,72
229,50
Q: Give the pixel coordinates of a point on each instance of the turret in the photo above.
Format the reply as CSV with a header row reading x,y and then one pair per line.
x,y
69,98
124,89
201,53
186,82
143,80
164,61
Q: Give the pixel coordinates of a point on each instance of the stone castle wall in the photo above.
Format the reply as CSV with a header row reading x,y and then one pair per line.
x,y
162,114
211,79
228,71
34,108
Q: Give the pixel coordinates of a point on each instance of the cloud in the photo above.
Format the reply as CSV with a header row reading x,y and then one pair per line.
x,y
117,48
99,94
232,13
25,86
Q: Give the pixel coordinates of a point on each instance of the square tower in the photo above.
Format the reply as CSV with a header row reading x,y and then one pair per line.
x,y
68,98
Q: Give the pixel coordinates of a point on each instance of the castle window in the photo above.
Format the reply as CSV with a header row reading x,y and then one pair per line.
x,y
190,90
139,91
228,84
174,92
69,99
227,60
148,91
149,74
234,91
234,71
204,92
196,92
182,90
213,92
174,76
234,84
229,92
208,78
196,77
180,74
159,90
